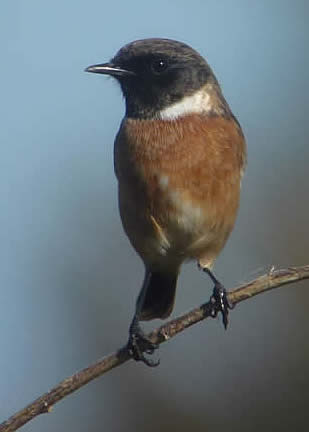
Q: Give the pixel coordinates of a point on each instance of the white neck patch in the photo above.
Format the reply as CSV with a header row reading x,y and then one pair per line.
x,y
198,102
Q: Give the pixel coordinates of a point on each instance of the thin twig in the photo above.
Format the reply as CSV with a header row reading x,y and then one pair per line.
x,y
44,404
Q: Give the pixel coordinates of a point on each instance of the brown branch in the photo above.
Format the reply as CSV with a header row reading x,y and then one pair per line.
x,y
44,404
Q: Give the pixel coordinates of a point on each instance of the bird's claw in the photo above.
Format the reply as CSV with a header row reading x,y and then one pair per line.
x,y
220,303
138,344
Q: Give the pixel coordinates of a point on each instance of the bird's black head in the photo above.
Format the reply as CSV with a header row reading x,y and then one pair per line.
x,y
156,73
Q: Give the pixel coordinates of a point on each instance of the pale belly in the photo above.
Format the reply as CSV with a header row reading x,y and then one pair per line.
x,y
172,228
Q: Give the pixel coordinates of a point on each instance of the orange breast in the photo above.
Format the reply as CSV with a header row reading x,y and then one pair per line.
x,y
185,174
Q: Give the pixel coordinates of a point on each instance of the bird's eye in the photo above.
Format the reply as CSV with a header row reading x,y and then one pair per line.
x,y
158,66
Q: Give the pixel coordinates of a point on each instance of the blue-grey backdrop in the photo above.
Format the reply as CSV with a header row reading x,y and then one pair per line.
x,y
68,275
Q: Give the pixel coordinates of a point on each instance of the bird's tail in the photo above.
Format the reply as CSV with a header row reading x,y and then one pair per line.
x,y
157,296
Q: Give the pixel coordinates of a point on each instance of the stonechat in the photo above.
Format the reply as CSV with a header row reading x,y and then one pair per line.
x,y
179,159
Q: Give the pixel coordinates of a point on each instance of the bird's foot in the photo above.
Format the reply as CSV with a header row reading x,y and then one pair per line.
x,y
219,300
139,343
220,303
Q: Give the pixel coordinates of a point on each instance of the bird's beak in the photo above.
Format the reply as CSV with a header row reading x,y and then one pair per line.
x,y
109,69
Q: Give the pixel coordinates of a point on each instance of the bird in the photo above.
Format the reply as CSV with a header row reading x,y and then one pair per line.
x,y
179,157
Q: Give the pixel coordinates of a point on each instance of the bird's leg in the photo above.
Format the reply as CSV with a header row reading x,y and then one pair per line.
x,y
219,299
138,342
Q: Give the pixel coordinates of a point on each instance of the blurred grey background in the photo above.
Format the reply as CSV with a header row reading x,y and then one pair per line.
x,y
69,277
